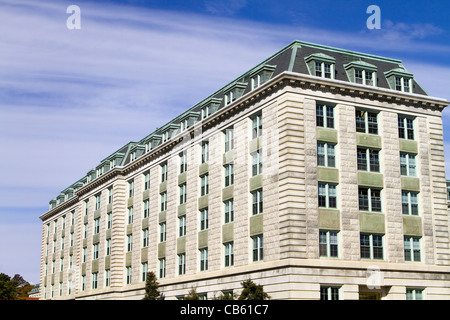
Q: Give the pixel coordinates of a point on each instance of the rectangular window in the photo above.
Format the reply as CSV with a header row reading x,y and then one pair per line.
x,y
110,195
94,280
108,247
129,243
204,185
97,226
182,226
130,188
183,161
130,215
368,159
95,251
323,69
85,230
163,201
410,204
371,246
98,201
256,126
256,162
107,278
257,202
405,128
162,232
228,211
146,208
204,259
204,219
329,293
414,294
162,268
128,275
229,174
328,244
412,249
144,271
327,195
407,164
86,207
324,116
228,254
182,188
163,171
147,180
366,122
257,248
145,238
108,220
182,263
205,151
369,199
326,155
229,145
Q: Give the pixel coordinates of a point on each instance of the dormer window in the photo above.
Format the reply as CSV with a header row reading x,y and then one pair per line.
x,y
361,72
261,75
235,92
209,107
188,120
400,79
321,65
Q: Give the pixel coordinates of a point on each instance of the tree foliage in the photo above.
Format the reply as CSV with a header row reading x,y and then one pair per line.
x,y
252,291
13,288
192,295
151,287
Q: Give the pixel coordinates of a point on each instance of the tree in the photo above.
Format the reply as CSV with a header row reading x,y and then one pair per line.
x,y
252,291
192,295
225,295
151,287
23,287
8,287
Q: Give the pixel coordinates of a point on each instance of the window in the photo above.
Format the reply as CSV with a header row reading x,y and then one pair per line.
x,y
85,230
182,226
228,211
326,155
83,284
204,259
368,159
324,69
108,247
257,202
229,139
329,293
130,188
144,271
107,278
324,116
410,204
369,199
129,243
164,172
84,256
205,151
256,126
110,195
183,161
145,238
414,294
162,232
146,208
182,263
412,248
108,220
204,219
204,185
366,77
130,215
366,122
403,84
86,207
405,128
228,254
407,164
328,244
182,188
128,275
257,248
327,195
162,268
147,180
256,163
97,226
163,201
95,251
229,174
371,246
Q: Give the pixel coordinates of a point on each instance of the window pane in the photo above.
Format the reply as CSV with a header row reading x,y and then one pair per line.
x,y
363,199
362,159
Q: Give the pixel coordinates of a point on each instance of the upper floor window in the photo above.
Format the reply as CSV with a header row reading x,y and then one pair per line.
x,y
164,172
183,161
399,79
368,159
229,135
261,75
361,72
324,116
321,65
256,125
130,188
371,246
147,180
205,151
366,122
407,164
369,199
402,84
405,128
234,93
326,154
327,195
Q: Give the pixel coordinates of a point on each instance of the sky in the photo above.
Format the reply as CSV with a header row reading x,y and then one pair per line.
x,y
71,97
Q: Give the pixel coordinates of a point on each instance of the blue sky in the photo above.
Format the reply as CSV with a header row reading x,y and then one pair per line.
x,y
69,98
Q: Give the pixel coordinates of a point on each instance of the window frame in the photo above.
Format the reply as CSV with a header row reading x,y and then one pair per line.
x,y
328,197
366,120
370,248
328,155
370,199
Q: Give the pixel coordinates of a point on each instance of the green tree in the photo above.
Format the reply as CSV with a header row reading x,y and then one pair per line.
x,y
225,295
252,291
192,295
23,287
8,287
151,287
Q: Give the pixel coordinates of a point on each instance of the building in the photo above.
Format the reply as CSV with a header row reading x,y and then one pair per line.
x,y
318,174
